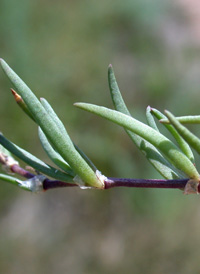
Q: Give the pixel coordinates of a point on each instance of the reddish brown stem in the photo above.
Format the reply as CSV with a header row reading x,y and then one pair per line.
x,y
145,183
123,182
47,183
24,173
50,184
110,182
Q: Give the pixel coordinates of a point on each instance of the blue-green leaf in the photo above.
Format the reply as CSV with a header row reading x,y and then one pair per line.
x,y
190,119
192,140
181,142
33,161
62,129
53,155
62,143
150,119
152,154
170,150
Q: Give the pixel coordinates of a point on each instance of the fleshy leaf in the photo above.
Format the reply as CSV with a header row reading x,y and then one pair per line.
x,y
33,184
62,128
152,154
33,161
181,142
22,104
150,119
190,138
10,179
169,149
190,119
62,143
53,155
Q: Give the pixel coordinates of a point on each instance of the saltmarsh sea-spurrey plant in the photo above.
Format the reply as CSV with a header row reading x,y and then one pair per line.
x,y
175,163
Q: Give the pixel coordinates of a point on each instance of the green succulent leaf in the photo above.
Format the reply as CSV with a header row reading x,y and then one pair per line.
x,y
62,143
10,179
62,129
150,119
164,167
190,138
22,104
181,142
33,161
190,119
169,149
53,155
53,116
115,93
32,185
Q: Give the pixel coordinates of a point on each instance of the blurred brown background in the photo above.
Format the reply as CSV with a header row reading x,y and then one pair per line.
x,y
62,49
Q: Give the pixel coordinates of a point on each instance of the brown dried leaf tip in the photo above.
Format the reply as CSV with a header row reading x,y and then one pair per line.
x,y
18,98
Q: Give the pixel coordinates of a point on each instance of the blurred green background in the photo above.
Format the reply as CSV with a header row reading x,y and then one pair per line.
x,y
62,49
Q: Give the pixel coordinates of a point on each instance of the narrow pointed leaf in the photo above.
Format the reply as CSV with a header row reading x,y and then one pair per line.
x,y
86,158
150,119
53,155
190,119
63,144
10,179
33,161
164,167
192,139
181,142
30,185
62,128
22,104
115,93
170,150
53,116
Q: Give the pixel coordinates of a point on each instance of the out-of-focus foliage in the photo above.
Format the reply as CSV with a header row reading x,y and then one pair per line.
x,y
62,50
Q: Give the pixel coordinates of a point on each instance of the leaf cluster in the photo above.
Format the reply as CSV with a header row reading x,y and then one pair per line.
x,y
173,160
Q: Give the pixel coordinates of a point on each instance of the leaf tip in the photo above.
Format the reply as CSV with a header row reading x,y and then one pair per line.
x,y
167,111
2,61
76,104
149,108
79,105
110,68
18,98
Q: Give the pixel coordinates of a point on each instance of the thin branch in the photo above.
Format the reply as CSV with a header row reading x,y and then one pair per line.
x,y
109,182
22,172
123,182
51,184
145,183
47,183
